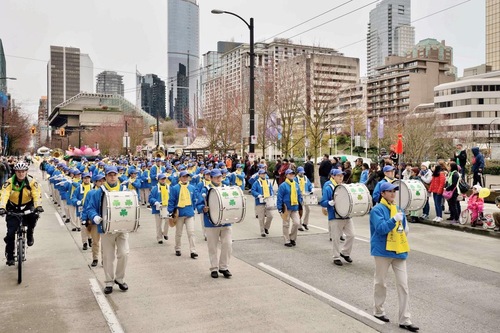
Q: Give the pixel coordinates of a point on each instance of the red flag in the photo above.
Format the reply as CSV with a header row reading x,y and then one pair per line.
x,y
399,144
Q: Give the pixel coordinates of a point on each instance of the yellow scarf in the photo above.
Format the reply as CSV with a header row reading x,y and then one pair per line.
x,y
238,181
333,182
265,187
206,182
130,185
184,196
86,189
302,184
294,198
116,188
396,238
164,194
168,180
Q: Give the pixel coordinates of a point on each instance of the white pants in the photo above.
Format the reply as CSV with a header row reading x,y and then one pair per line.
x,y
114,247
291,234
382,265
265,217
203,225
337,227
161,227
72,216
189,222
305,214
226,247
144,193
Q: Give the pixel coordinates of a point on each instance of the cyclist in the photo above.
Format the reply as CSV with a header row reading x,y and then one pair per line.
x,y
20,193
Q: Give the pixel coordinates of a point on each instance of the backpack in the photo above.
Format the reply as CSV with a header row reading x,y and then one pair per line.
x,y
463,187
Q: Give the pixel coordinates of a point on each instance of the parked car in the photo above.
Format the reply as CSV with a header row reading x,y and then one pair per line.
x,y
350,158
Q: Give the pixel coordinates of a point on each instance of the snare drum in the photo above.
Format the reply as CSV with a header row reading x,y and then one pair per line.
x,y
271,202
120,212
226,205
352,200
413,194
309,200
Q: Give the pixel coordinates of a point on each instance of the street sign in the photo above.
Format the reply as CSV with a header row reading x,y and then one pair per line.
x,y
126,142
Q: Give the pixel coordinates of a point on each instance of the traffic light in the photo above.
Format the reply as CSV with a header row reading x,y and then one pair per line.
x,y
61,131
33,130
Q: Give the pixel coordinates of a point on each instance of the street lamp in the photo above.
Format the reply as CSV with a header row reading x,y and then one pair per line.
x,y
2,131
252,78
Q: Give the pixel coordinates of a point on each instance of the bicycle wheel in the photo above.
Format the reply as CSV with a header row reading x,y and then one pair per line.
x,y
20,259
464,217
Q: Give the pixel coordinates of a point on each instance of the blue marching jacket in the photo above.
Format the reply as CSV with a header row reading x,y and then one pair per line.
x,y
284,197
155,196
380,225
174,199
328,190
201,203
258,190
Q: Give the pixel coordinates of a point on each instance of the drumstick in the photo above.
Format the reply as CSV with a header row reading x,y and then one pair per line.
x,y
204,195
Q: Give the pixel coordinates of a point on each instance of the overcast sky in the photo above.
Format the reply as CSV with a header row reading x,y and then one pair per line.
x,y
121,35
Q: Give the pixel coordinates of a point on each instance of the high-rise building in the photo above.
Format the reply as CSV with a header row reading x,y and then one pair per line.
x,y
493,34
109,82
183,59
63,74
430,48
153,95
389,32
86,73
3,70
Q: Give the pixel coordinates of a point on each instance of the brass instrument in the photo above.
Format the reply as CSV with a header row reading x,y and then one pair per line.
x,y
57,153
158,154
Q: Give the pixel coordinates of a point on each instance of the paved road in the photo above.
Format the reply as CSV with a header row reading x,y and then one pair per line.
x,y
454,283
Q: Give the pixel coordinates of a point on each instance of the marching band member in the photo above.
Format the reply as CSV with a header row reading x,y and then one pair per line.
x,y
159,197
216,233
306,187
289,198
225,178
182,201
91,227
389,174
114,245
205,182
71,188
336,224
133,183
262,189
78,200
146,186
238,177
155,171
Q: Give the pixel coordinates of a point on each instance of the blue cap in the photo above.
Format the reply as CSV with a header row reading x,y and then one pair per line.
x,y
261,166
224,171
215,173
201,163
168,167
76,172
111,169
386,186
149,164
183,173
335,172
181,167
261,171
221,164
207,172
388,168
85,174
289,171
97,177
158,159
132,170
239,166
177,162
162,176
120,168
300,169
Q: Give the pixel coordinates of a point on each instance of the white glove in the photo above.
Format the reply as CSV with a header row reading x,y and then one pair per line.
x,y
125,182
261,196
158,205
331,203
97,219
78,203
398,216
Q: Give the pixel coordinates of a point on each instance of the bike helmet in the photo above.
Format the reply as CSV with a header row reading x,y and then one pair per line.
x,y
21,166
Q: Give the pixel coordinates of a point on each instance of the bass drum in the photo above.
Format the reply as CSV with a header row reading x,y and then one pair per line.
x,y
413,194
352,200
120,212
226,205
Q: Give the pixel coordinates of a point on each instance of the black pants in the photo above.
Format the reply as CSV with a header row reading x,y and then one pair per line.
x,y
12,225
477,179
454,209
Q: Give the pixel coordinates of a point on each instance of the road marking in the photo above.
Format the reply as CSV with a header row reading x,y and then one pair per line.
x,y
107,311
46,195
360,239
320,293
59,219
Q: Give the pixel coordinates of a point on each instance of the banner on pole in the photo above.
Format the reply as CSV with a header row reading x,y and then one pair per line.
x,y
381,128
368,128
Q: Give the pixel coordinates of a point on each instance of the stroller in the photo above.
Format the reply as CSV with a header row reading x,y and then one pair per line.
x,y
486,221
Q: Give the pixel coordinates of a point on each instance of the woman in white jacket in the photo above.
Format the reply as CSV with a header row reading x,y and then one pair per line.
x,y
426,177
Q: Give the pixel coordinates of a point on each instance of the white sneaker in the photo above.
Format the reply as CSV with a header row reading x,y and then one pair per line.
x,y
435,219
439,219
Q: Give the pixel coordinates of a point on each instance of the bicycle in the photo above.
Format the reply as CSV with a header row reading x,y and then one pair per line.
x,y
21,240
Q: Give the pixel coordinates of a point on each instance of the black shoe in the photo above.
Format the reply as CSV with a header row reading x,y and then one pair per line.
x,y
10,262
160,242
214,274
74,229
447,212
346,258
383,318
108,290
300,229
449,219
165,237
338,262
411,327
78,229
84,246
67,221
342,238
149,206
90,242
94,263
263,235
288,244
123,286
330,239
293,242
227,274
305,226
194,255
266,231
178,253
30,238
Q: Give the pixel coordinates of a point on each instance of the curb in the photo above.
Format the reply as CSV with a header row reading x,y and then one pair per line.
x,y
463,228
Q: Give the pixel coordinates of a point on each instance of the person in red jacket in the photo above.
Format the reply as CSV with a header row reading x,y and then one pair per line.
x,y
436,188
